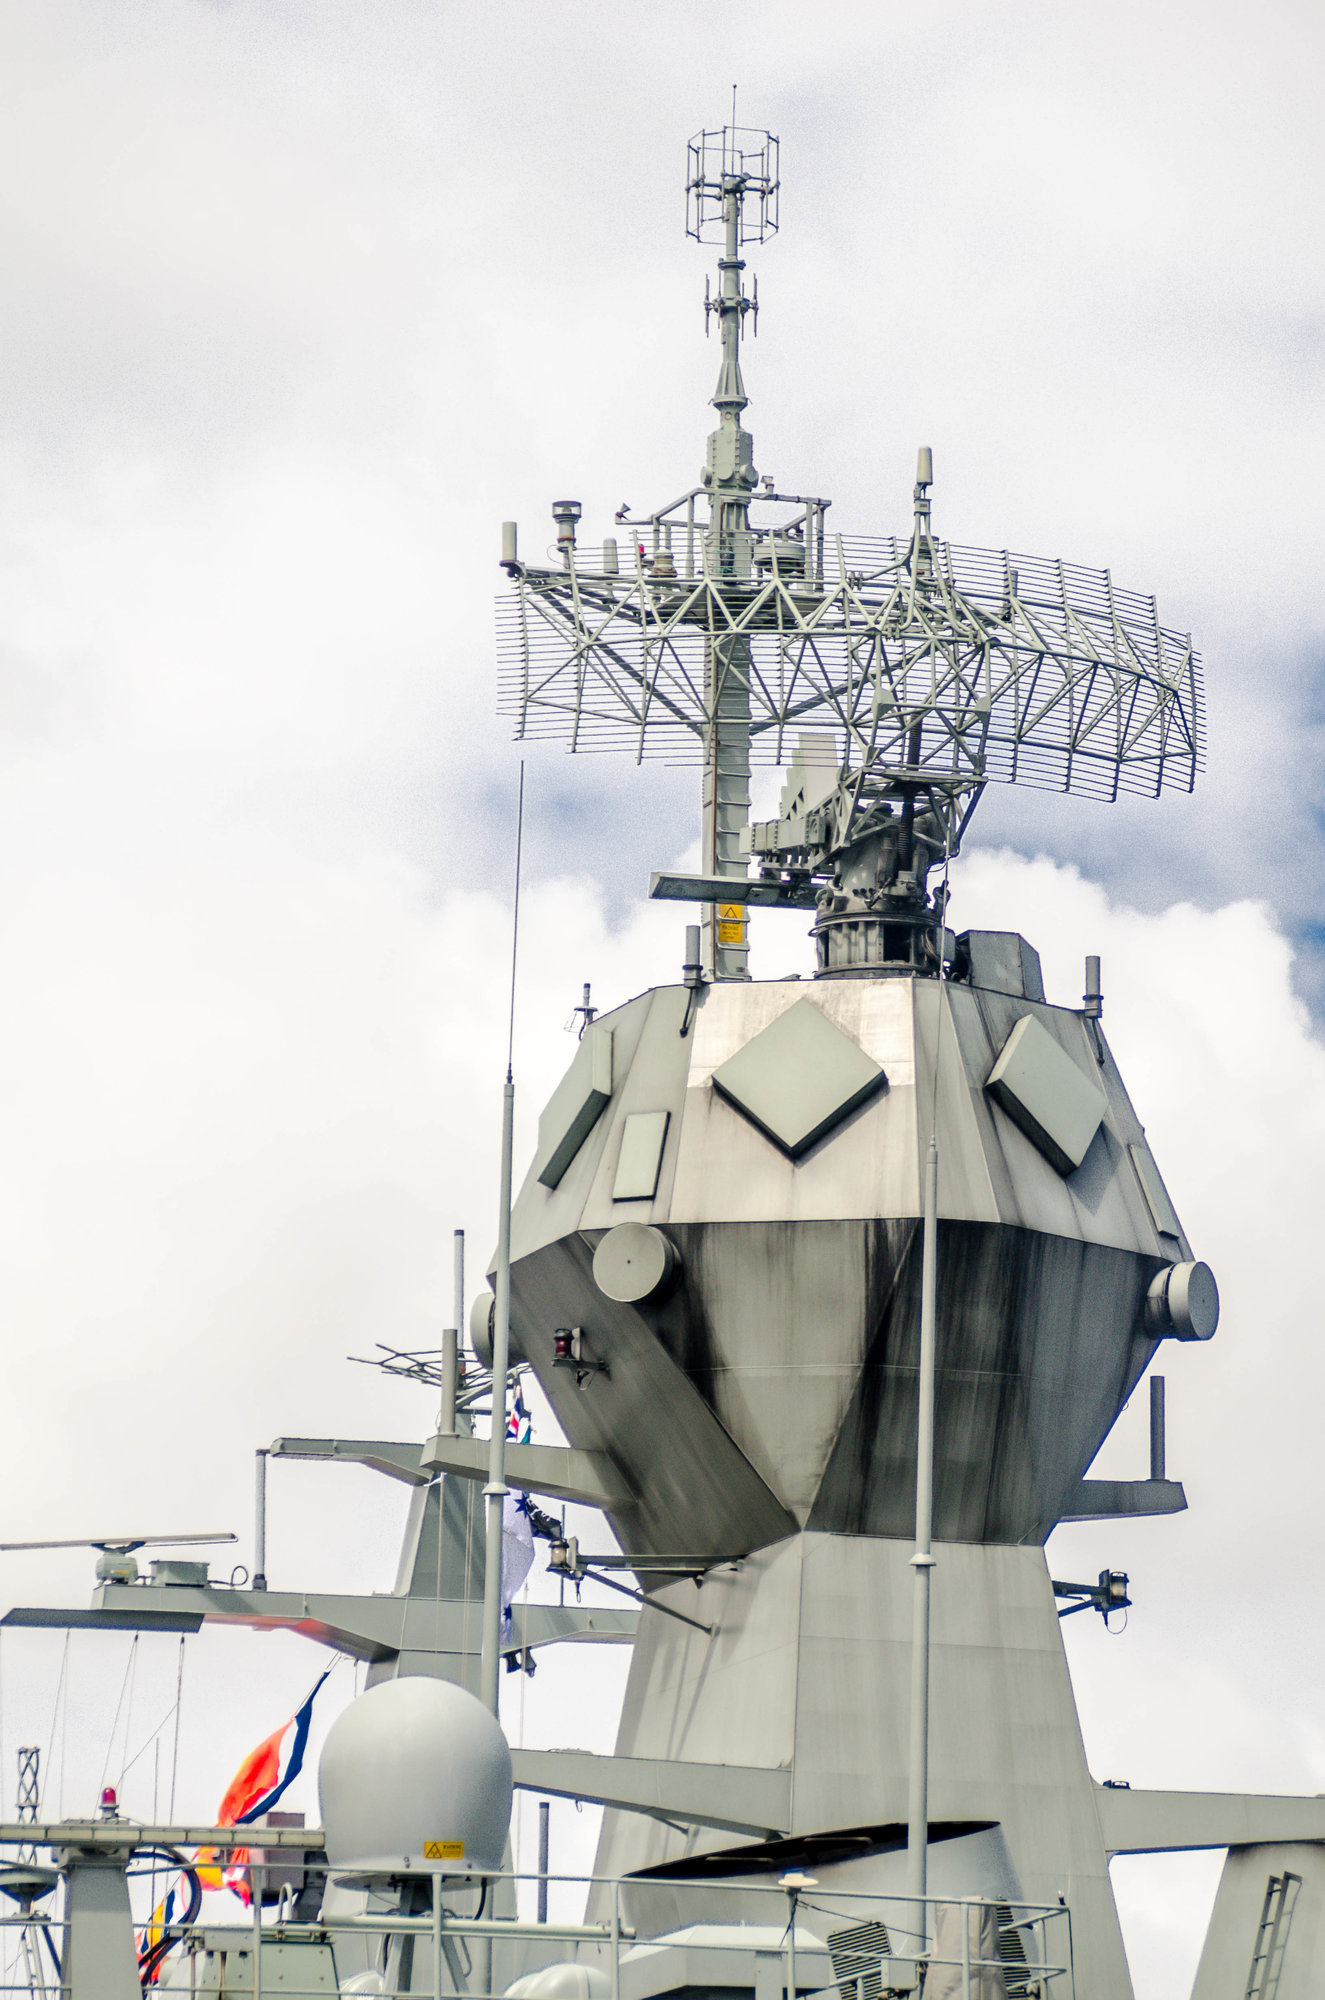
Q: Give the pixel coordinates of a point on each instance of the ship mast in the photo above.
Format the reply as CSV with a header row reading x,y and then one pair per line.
x,y
731,198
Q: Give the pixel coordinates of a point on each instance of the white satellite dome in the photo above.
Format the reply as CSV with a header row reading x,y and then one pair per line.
x,y
415,1774
567,1980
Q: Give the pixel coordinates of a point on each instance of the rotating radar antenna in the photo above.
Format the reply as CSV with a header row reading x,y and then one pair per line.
x,y
894,675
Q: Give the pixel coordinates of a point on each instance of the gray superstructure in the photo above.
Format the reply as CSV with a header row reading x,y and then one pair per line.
x,y
763,1406
726,1210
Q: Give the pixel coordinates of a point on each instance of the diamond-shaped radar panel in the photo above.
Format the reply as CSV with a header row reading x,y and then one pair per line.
x,y
798,1078
1056,1104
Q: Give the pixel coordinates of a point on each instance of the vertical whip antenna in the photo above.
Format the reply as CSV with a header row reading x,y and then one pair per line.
x,y
494,1493
732,191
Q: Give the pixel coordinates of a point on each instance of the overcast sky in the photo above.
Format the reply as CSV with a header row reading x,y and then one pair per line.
x,y
299,301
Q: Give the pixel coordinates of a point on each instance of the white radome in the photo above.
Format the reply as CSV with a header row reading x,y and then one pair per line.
x,y
564,1981
414,1775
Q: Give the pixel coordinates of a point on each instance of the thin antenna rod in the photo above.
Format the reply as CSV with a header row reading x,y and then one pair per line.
x,y
451,1344
515,916
1158,1466
260,1521
917,1835
544,1815
494,1493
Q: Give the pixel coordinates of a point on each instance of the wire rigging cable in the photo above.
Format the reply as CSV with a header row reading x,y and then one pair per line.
x,y
125,1689
179,1703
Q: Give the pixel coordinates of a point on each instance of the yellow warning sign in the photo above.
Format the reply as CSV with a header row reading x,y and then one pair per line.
x,y
731,923
443,1850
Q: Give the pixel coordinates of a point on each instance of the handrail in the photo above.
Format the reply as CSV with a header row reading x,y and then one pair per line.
x,y
812,1956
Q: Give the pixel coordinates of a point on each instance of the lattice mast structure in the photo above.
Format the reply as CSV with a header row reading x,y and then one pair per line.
x,y
27,1803
896,676
726,171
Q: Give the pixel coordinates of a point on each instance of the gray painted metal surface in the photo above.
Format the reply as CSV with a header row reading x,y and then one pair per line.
x,y
1145,1822
395,1460
414,1633
1052,1098
578,1100
808,1668
587,1477
741,1798
100,1960
785,1355
1293,1960
634,1264
760,1415
117,1836
639,1160
431,1622
798,1078
1002,961
1119,1499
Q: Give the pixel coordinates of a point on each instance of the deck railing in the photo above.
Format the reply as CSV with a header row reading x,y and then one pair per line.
x,y
449,1934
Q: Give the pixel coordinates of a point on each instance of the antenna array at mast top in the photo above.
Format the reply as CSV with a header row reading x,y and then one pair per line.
x,y
737,158
732,628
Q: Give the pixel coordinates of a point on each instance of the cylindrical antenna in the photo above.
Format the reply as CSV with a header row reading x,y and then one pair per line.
x,y
260,1520
509,552
566,513
1093,997
1158,1454
494,1493
450,1380
451,1345
922,547
544,1816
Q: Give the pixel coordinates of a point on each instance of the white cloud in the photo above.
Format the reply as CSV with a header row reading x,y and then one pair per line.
x,y
296,311
304,312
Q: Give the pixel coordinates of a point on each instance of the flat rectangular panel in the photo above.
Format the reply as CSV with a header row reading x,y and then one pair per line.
x,y
1002,962
1049,1096
798,1078
673,888
146,1620
1156,1194
576,1105
643,1136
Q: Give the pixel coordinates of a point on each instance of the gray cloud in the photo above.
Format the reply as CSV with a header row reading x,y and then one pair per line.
x,y
298,303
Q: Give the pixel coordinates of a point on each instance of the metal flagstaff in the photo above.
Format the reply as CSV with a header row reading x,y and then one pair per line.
x,y
922,1561
917,1830
494,1493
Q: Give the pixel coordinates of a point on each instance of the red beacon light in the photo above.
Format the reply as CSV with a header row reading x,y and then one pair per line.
x,y
110,1802
570,1350
565,1345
